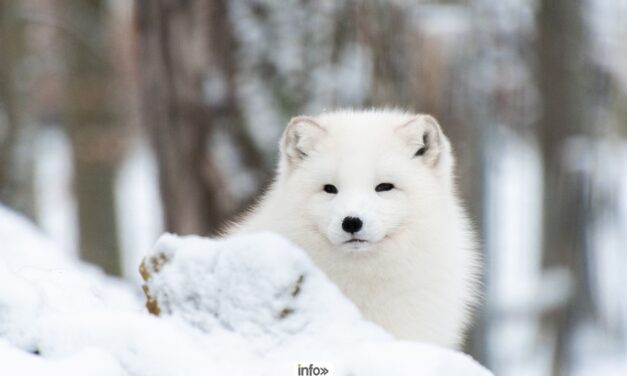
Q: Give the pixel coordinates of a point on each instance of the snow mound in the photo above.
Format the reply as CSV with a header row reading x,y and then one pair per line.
x,y
266,291
258,286
247,305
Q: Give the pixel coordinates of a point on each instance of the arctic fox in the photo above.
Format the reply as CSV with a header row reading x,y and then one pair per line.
x,y
370,196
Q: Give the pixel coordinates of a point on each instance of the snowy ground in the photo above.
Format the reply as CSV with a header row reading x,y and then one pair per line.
x,y
250,305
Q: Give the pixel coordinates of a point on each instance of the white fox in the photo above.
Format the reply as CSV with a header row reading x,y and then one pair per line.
x,y
370,196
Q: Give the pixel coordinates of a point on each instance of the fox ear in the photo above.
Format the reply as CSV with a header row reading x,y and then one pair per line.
x,y
299,139
424,135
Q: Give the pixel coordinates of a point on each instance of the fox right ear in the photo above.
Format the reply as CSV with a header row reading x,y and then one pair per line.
x,y
300,138
424,135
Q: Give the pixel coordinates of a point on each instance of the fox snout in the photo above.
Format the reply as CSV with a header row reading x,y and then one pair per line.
x,y
352,224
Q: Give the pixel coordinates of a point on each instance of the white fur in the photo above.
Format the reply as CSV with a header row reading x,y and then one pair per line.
x,y
415,273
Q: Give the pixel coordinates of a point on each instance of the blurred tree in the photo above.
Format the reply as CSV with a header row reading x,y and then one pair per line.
x,y
183,47
16,154
97,136
565,116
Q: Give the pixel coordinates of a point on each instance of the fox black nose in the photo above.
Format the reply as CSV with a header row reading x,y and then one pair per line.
x,y
351,224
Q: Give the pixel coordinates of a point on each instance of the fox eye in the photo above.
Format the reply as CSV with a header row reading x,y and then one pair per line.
x,y
383,187
329,188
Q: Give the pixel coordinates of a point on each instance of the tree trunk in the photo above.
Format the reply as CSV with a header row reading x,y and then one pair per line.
x,y
561,83
182,44
95,131
16,154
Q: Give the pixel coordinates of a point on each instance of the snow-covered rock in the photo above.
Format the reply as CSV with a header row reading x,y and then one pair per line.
x,y
252,304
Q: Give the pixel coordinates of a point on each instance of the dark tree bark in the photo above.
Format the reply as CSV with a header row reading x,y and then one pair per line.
x,y
181,45
9,39
16,156
564,115
173,50
96,133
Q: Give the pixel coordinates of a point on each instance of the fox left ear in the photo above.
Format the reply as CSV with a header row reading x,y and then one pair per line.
x,y
424,135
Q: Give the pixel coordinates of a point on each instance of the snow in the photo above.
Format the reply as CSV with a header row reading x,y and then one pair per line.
x,y
138,206
56,205
252,304
517,291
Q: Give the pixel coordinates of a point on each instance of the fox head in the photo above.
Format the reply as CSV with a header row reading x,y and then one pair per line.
x,y
358,178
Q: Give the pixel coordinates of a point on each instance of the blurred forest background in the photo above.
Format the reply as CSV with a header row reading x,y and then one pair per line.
x,y
121,119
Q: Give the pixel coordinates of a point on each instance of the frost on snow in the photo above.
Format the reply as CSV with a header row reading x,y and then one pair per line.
x,y
248,305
